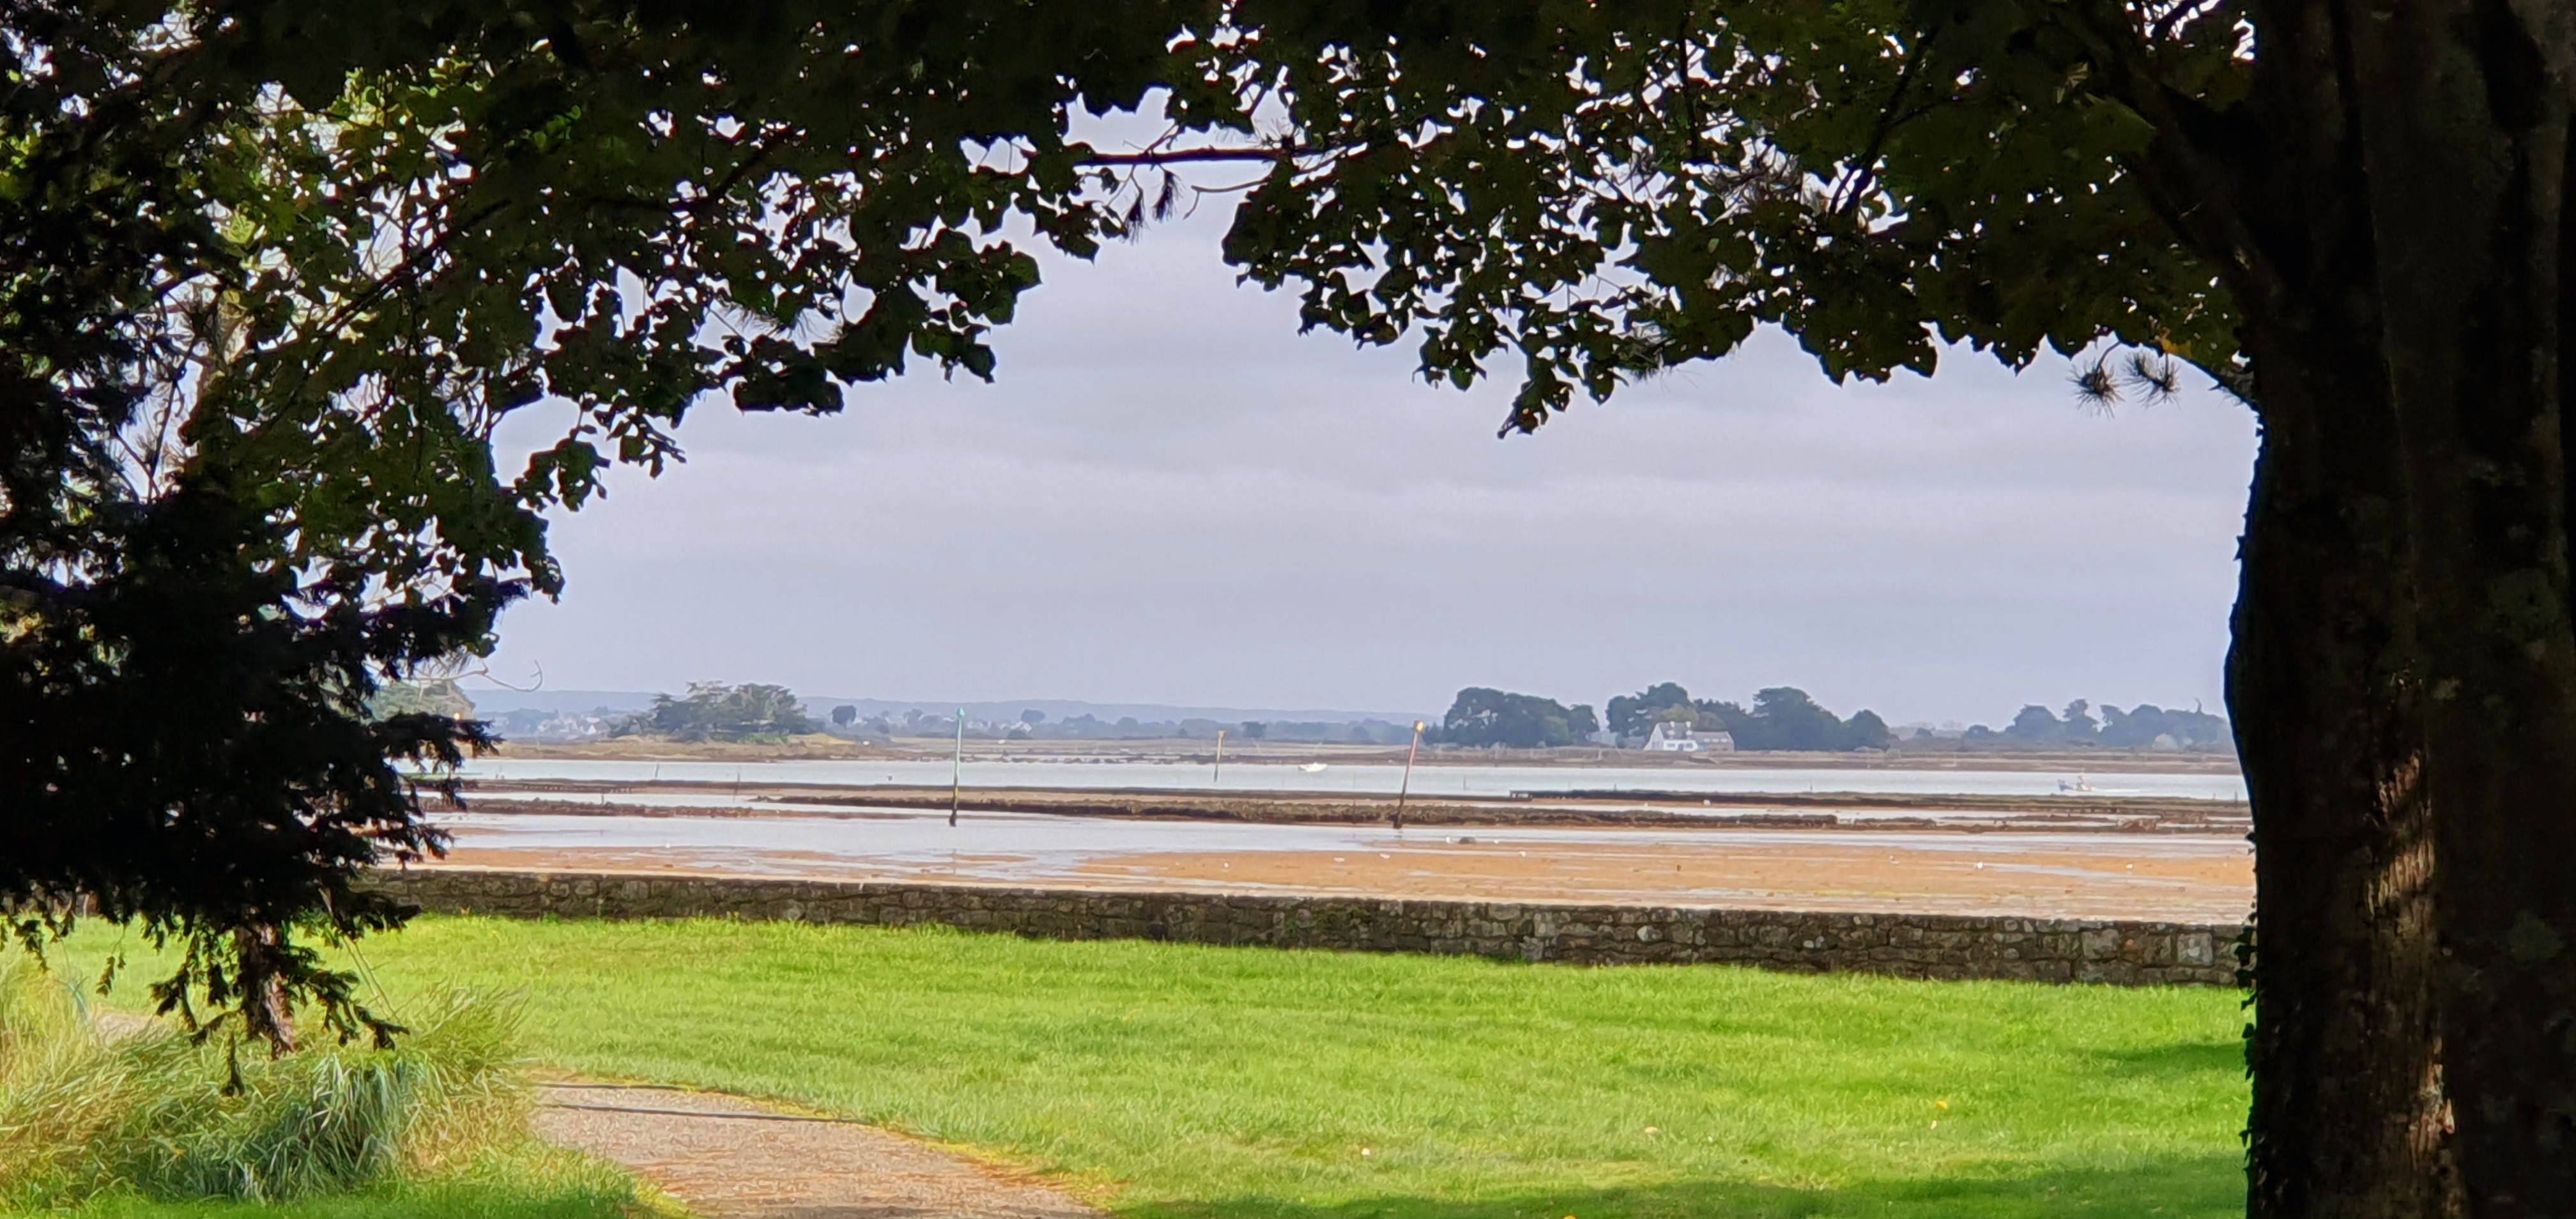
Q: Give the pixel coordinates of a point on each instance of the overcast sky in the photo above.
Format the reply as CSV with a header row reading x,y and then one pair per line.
x,y
1169,496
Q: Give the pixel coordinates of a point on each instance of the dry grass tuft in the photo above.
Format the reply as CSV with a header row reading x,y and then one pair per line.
x,y
87,1109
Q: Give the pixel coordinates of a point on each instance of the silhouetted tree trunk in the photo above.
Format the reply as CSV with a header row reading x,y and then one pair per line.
x,y
266,1015
2404,675
2348,1115
2464,112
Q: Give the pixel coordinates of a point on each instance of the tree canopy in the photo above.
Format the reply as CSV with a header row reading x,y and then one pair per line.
x,y
433,696
715,711
273,271
1485,717
1634,715
1782,717
2139,727
1785,717
272,274
2147,723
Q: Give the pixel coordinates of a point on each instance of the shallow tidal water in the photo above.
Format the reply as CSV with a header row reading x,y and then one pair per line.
x,y
1445,780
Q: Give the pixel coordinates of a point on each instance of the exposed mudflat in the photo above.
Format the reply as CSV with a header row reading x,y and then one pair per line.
x,y
2052,873
2212,886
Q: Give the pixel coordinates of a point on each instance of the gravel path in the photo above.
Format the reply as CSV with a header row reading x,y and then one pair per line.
x,y
728,1158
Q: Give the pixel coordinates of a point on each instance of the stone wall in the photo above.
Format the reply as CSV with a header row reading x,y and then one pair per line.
x,y
1907,945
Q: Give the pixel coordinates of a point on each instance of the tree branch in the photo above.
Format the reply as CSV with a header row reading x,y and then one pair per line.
x,y
2177,166
1180,156
1888,121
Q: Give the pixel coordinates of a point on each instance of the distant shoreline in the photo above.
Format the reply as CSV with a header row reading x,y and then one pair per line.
x,y
821,747
1878,812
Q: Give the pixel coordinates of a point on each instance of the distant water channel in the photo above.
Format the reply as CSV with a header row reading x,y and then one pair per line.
x,y
1367,779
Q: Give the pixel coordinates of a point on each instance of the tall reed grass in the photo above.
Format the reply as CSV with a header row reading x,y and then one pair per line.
x,y
88,1108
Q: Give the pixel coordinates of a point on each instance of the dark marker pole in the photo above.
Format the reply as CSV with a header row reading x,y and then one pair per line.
x,y
957,770
1407,788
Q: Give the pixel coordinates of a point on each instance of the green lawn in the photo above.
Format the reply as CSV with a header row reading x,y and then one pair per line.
x,y
1183,1081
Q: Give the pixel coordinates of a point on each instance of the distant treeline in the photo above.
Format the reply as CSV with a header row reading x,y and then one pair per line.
x,y
1779,718
1787,718
715,711
2145,726
1033,724
1486,717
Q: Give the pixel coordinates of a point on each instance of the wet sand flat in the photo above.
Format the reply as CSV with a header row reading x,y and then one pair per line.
x,y
2169,878
2213,886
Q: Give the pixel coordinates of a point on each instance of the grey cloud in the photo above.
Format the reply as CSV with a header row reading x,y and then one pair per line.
x,y
1171,496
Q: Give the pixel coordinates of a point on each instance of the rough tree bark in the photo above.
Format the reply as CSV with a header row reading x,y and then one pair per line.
x,y
2387,212
2404,676
2348,1116
266,1015
2464,108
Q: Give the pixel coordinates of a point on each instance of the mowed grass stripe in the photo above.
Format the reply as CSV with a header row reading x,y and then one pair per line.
x,y
1174,1080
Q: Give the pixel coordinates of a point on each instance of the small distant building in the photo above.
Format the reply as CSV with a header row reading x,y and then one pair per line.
x,y
1682,738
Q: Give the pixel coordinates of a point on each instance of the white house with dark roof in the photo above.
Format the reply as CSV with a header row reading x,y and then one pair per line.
x,y
1670,737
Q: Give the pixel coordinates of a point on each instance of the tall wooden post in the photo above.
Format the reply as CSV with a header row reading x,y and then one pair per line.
x,y
957,770
1407,788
